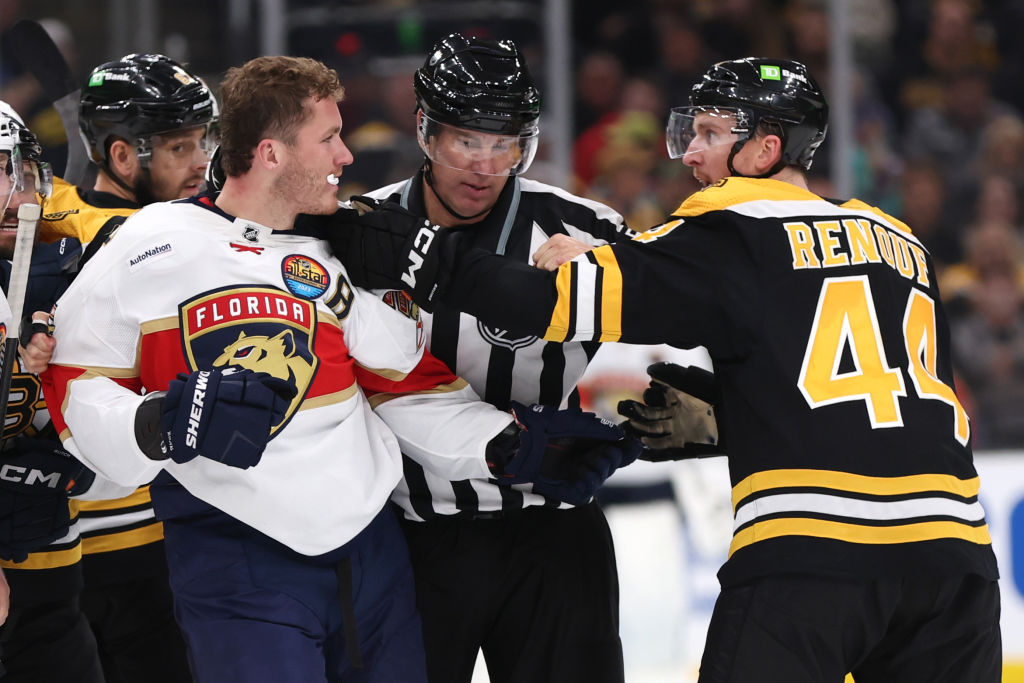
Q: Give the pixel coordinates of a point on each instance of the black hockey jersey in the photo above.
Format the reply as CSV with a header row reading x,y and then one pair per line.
x,y
848,450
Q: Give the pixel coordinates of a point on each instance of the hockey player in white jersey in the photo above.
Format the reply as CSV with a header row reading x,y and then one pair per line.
x,y
272,472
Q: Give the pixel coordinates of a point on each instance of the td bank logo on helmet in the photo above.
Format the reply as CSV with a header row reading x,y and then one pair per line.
x,y
770,72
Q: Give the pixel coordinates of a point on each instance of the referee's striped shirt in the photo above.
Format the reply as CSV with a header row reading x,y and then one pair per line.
x,y
503,365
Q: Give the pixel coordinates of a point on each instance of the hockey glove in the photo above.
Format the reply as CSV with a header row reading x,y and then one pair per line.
x,y
677,418
384,246
565,454
36,478
224,415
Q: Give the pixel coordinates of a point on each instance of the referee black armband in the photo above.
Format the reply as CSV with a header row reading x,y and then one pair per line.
x,y
147,426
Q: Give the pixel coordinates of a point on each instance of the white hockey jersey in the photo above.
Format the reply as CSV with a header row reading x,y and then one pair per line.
x,y
184,286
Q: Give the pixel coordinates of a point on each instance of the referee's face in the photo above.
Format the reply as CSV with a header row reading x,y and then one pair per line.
x,y
467,192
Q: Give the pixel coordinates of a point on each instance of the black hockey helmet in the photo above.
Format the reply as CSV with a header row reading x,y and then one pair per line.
x,y
478,84
779,93
138,96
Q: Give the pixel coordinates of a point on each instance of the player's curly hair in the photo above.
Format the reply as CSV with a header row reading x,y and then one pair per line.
x,y
264,98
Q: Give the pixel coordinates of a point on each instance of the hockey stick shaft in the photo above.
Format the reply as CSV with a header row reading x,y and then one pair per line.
x,y
43,59
28,223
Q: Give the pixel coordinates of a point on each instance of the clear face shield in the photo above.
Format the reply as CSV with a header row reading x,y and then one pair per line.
x,y
475,151
179,148
31,181
698,129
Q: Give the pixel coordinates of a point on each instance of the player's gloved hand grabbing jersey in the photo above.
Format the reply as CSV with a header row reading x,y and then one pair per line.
x,y
565,454
36,478
384,246
677,418
222,414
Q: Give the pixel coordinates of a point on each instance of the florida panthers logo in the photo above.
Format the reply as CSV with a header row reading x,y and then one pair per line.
x,y
273,355
262,329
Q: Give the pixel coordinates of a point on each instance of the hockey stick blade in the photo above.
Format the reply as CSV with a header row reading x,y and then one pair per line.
x,y
28,223
39,55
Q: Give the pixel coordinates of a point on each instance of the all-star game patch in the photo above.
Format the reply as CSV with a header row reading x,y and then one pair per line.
x,y
304,277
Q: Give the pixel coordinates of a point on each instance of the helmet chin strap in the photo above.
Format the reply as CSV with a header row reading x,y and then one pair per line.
x,y
429,177
108,169
736,147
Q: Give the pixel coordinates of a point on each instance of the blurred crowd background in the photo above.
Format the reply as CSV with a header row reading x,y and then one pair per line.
x,y
938,96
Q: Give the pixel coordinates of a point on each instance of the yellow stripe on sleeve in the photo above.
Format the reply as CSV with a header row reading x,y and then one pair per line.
x,y
558,329
611,294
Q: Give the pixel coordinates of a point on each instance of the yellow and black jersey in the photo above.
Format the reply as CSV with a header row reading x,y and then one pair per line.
x,y
73,212
848,450
51,573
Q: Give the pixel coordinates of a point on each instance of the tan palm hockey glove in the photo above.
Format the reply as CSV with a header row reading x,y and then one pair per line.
x,y
677,417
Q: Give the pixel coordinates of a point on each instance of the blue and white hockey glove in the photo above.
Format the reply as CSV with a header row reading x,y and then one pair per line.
x,y
225,415
677,418
36,478
565,454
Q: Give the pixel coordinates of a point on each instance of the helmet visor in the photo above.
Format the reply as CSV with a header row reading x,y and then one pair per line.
x,y
31,179
694,129
180,147
477,152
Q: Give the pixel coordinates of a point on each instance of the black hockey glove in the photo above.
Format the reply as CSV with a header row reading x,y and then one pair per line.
x,y
565,454
224,415
677,418
36,478
384,246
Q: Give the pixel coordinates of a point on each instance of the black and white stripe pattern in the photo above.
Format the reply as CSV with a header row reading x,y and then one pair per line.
x,y
504,365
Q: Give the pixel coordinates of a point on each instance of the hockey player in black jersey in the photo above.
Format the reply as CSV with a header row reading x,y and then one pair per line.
x,y
859,542
528,580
